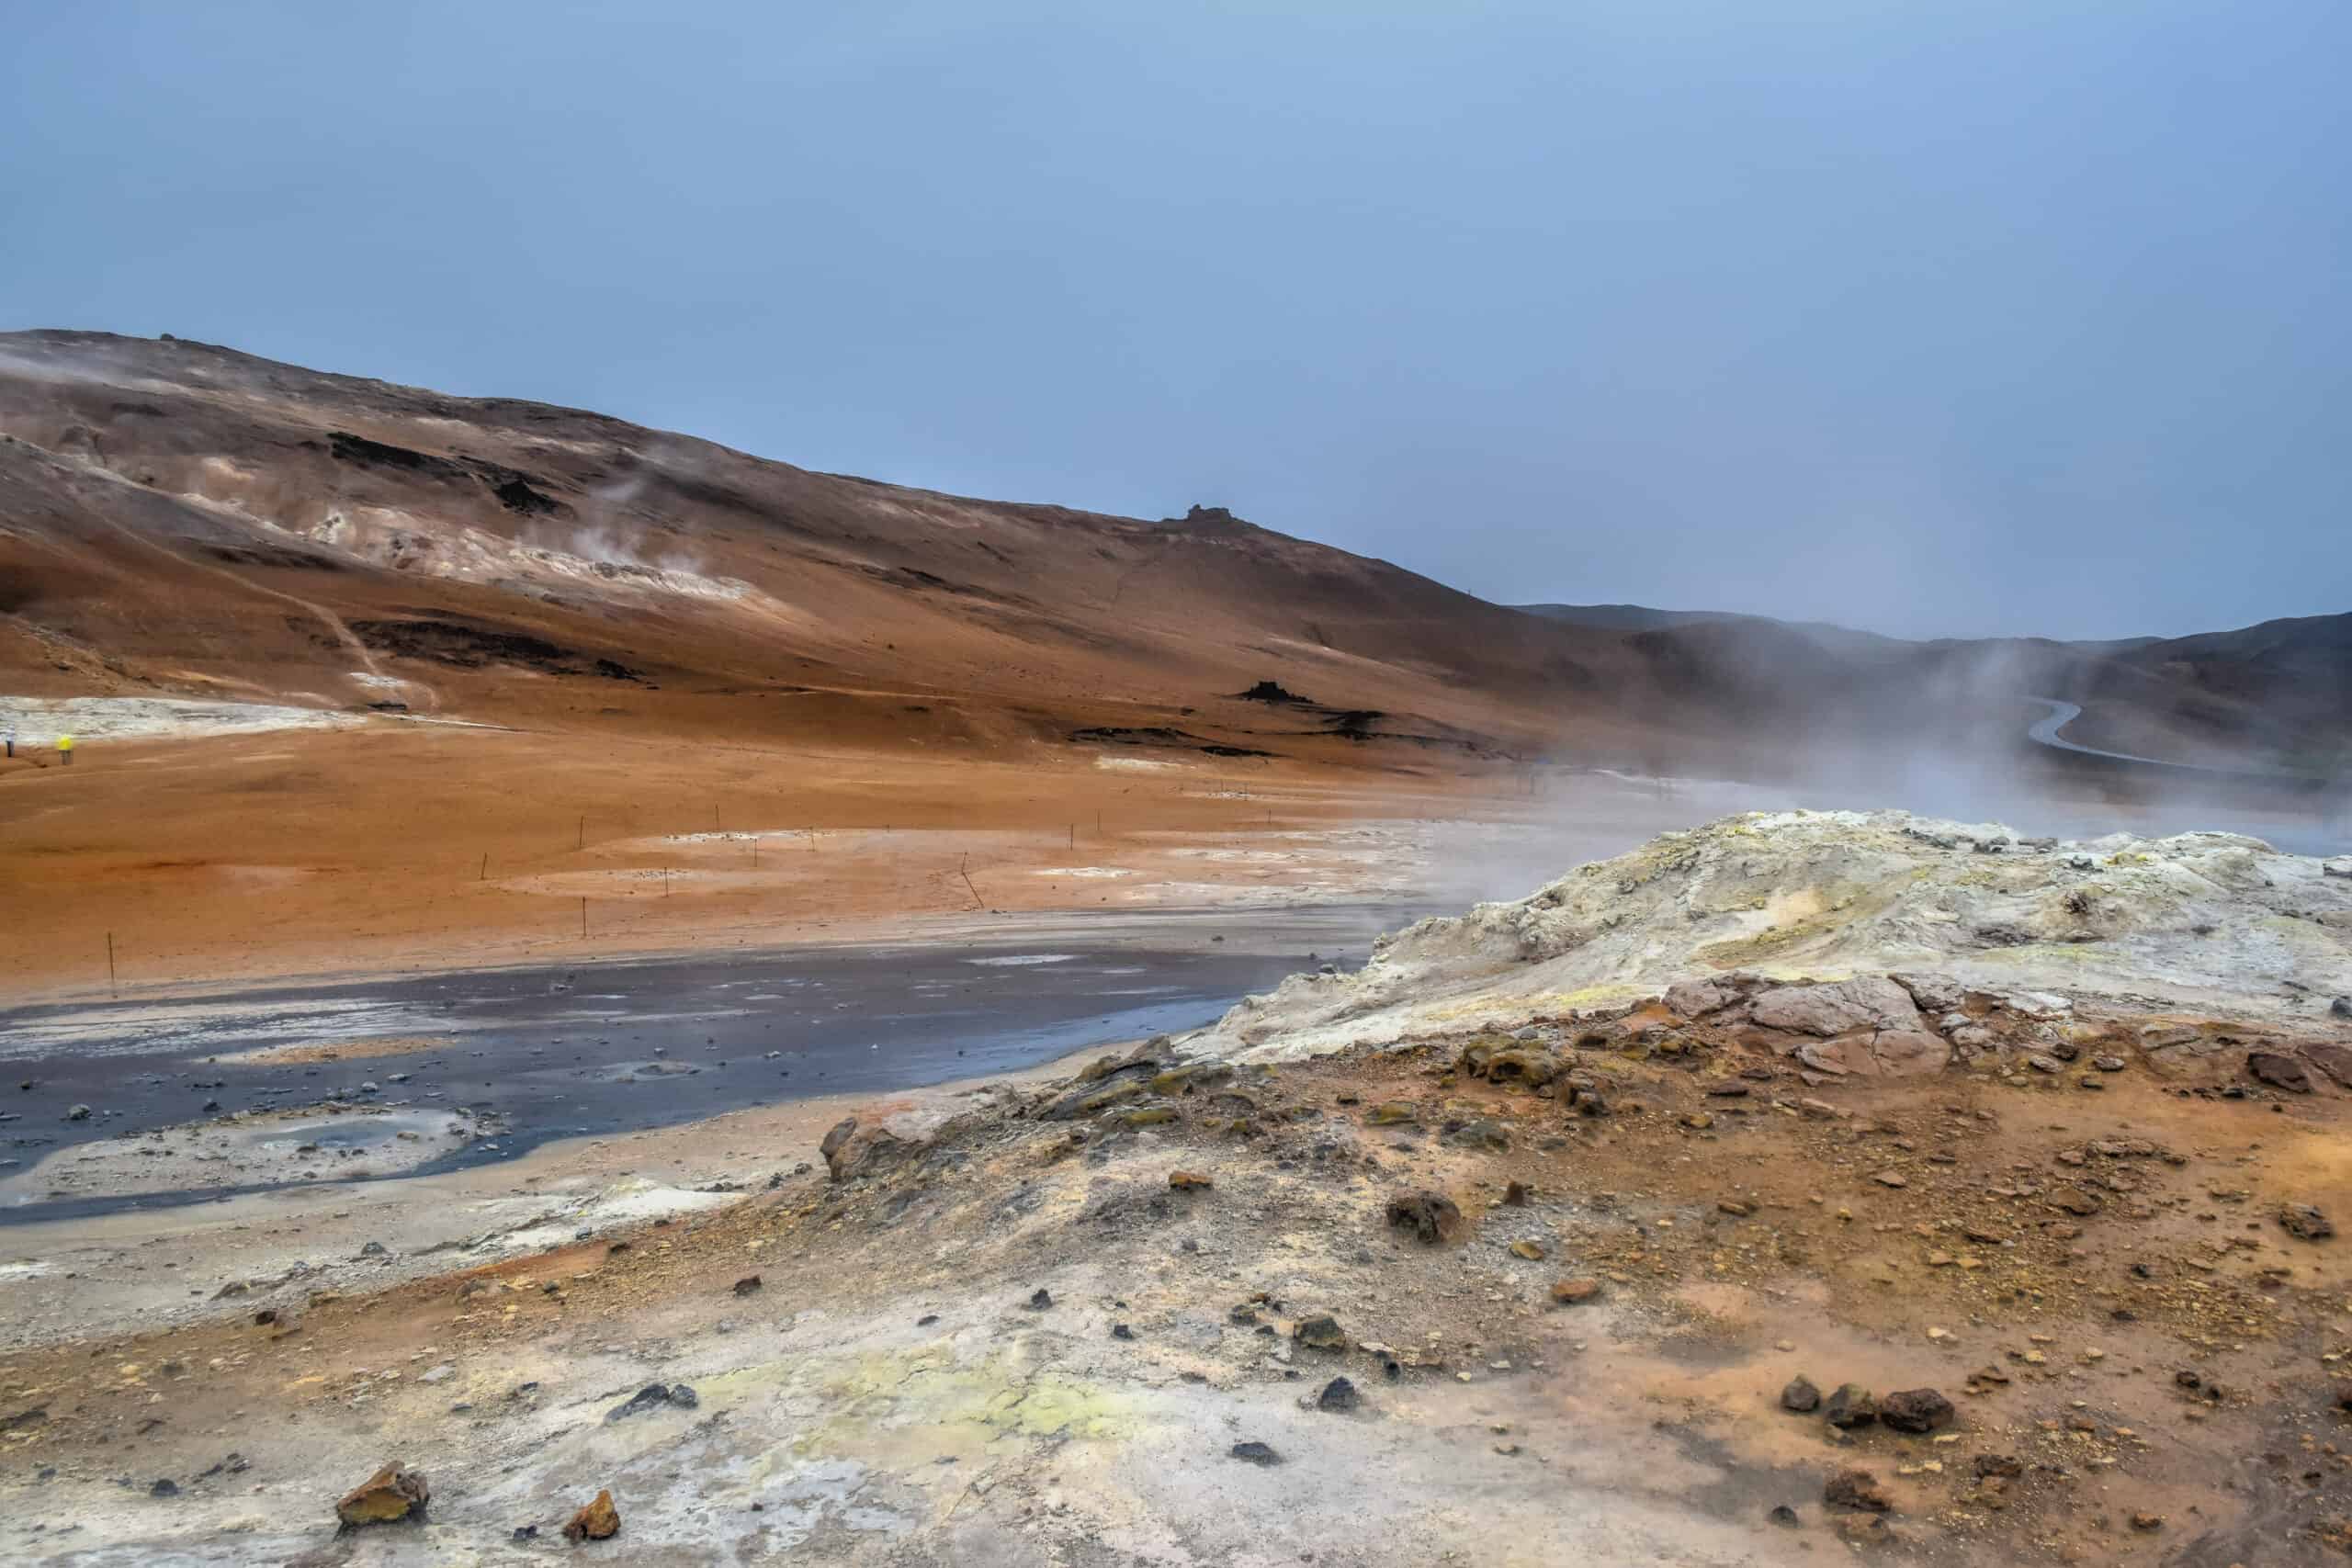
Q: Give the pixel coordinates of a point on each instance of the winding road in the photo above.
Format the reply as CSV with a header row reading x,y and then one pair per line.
x,y
2062,714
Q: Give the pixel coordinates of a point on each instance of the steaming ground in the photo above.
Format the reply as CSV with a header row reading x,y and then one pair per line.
x,y
2213,922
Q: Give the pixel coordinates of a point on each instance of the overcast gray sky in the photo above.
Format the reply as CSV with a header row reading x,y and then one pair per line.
x,y
1935,319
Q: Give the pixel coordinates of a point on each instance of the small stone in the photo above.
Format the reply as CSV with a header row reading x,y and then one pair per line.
x,y
1319,1333
748,1285
1188,1181
2107,1064
2076,1201
164,1488
1574,1292
1254,1453
1783,1516
1530,1250
1515,1195
1484,1133
1800,1396
1850,1406
1697,1121
2305,1223
2007,1467
1338,1394
1915,1410
1430,1216
1855,1488
393,1492
1891,1179
1121,1331
2147,1521
78,1113
1039,1299
598,1521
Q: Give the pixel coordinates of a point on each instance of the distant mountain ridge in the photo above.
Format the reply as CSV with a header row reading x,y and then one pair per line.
x,y
182,519
1643,618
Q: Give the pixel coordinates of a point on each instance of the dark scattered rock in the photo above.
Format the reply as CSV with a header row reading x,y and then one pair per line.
x,y
2305,1223
1430,1216
166,1487
1254,1453
1320,1332
78,1113
598,1521
1502,1059
1855,1488
2340,1008
375,1249
393,1492
1851,1406
1574,1292
1338,1394
1121,1331
1039,1299
1483,1134
1784,1515
653,1396
1915,1410
1800,1396
2007,1467
1515,1196
748,1285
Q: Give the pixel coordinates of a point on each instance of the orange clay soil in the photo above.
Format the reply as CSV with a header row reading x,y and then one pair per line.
x,y
402,844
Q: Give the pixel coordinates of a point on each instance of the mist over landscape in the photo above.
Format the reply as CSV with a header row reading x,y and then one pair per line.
x,y
912,784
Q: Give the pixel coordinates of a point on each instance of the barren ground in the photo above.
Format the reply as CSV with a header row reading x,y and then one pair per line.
x,y
886,1393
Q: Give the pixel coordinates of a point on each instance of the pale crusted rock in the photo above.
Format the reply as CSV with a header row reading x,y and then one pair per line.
x,y
1932,993
1868,1002
1697,998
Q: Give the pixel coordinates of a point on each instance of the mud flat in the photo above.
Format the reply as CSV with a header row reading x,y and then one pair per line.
x,y
519,1056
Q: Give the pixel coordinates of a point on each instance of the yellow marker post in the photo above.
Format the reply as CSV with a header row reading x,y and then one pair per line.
x,y
66,750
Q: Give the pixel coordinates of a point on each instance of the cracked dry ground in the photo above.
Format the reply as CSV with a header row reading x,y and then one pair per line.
x,y
2095,1268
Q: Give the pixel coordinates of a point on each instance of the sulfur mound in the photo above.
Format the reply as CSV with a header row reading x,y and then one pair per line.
x,y
2206,920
